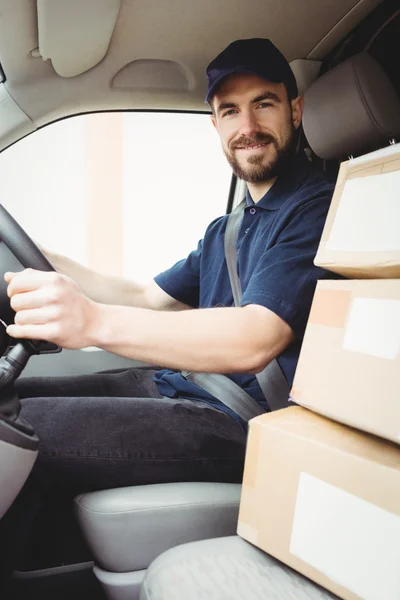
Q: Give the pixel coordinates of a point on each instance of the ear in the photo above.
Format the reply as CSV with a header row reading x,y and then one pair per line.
x,y
297,110
213,120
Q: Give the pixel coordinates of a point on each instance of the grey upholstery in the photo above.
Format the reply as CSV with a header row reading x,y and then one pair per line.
x,y
120,586
127,528
352,109
225,569
18,452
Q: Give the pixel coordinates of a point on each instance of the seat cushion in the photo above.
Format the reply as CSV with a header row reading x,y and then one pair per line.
x,y
127,528
225,569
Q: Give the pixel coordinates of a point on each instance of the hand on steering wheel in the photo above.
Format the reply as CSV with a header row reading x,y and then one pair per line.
x,y
48,305
16,249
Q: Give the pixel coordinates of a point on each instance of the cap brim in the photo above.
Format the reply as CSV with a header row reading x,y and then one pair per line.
x,y
233,71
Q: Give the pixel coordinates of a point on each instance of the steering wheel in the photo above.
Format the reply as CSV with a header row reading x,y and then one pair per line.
x,y
16,250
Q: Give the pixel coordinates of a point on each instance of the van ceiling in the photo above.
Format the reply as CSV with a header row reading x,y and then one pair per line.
x,y
186,34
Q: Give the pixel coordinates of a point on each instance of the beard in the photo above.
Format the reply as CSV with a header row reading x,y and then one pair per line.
x,y
260,168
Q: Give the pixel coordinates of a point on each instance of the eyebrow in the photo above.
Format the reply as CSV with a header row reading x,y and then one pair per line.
x,y
260,98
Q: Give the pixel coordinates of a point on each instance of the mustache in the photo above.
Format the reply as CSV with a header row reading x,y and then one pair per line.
x,y
258,138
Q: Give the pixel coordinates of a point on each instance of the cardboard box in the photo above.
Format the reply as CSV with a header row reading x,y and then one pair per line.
x,y
349,365
361,238
325,500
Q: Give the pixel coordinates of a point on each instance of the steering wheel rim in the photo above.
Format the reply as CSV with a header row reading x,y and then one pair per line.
x,y
20,244
26,252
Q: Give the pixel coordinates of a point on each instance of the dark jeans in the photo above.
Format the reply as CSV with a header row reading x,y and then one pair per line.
x,y
114,429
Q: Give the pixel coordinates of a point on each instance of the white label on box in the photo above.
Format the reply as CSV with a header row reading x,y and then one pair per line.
x,y
353,542
373,327
368,215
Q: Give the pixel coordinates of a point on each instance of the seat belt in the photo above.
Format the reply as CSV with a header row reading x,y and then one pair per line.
x,y
271,380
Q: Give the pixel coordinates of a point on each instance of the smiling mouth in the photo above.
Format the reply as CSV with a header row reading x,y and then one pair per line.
x,y
252,146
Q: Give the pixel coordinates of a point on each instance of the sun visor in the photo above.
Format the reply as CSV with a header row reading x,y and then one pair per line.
x,y
75,35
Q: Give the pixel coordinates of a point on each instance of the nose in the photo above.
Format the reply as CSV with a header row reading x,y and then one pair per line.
x,y
249,124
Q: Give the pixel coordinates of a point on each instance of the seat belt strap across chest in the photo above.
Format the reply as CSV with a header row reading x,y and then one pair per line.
x,y
271,379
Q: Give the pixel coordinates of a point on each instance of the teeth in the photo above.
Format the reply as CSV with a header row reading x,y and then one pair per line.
x,y
253,147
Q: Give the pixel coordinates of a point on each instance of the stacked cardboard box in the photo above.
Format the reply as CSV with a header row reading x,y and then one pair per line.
x,y
321,492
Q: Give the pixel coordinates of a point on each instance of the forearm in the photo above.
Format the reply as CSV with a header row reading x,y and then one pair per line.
x,y
224,340
100,288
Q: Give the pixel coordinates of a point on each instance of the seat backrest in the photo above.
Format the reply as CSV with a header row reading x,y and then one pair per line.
x,y
351,110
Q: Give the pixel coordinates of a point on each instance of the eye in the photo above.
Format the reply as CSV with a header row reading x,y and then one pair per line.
x,y
229,112
264,105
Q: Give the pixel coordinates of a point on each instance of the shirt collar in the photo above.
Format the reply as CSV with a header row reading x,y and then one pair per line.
x,y
284,185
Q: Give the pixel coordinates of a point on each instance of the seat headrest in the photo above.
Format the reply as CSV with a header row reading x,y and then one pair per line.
x,y
351,110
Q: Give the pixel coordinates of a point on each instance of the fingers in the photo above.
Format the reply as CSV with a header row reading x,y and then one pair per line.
x,y
38,316
31,332
29,280
48,306
35,324
9,276
35,299
34,296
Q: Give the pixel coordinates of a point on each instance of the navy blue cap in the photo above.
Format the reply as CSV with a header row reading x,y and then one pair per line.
x,y
257,56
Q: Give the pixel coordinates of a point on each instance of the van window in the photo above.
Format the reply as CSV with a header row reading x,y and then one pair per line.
x,y
123,193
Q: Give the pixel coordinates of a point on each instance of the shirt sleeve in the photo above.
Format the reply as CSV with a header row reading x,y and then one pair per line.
x,y
182,281
285,276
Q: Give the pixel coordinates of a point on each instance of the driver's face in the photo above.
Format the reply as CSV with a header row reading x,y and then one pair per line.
x,y
256,123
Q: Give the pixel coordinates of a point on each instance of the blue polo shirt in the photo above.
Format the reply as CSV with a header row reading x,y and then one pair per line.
x,y
276,246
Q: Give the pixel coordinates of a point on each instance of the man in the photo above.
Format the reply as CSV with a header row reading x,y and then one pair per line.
x,y
147,426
